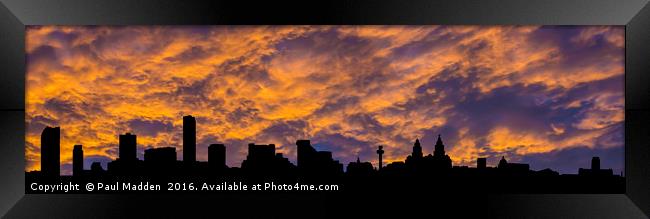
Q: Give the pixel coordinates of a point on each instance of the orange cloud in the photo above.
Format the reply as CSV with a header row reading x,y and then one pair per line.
x,y
350,88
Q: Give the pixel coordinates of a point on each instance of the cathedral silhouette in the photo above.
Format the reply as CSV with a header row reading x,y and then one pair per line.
x,y
263,164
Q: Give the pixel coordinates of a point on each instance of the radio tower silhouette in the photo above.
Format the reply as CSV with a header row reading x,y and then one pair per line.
x,y
380,152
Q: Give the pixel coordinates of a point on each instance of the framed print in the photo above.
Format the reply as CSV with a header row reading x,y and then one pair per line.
x,y
204,109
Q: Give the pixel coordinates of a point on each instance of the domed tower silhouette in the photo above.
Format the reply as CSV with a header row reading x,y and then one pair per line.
x,y
439,148
417,149
439,160
503,162
414,160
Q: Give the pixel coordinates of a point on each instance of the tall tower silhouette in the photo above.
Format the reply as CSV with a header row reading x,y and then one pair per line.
x,y
50,152
77,160
439,158
313,162
417,149
595,163
128,148
439,149
189,139
481,163
380,152
305,153
503,163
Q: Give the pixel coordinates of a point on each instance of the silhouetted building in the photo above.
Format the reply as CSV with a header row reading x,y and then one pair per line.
x,y
414,161
595,169
128,162
217,156
282,163
359,168
439,160
262,159
305,153
160,155
160,161
314,162
417,149
128,147
595,163
395,168
189,139
512,167
50,152
547,172
260,153
439,148
77,161
516,166
503,162
481,163
96,168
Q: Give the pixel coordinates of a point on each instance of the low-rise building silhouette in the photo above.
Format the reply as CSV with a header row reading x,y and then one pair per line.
x,y
312,162
160,161
262,160
547,172
96,169
512,168
359,168
160,155
595,169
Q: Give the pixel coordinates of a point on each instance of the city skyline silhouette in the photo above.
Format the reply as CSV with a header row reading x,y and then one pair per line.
x,y
262,162
128,150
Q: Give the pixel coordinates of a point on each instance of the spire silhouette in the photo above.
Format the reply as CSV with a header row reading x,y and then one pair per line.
x,y
439,148
417,149
503,162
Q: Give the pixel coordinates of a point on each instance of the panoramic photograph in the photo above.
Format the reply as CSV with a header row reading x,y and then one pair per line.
x,y
198,109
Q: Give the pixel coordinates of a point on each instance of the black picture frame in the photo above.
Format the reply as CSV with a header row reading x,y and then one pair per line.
x,y
16,14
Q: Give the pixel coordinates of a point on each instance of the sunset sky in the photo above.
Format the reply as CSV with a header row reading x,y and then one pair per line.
x,y
548,96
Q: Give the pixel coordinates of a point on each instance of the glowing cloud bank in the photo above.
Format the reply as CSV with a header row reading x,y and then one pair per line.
x,y
551,96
